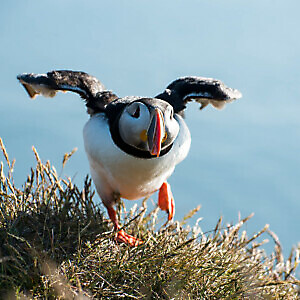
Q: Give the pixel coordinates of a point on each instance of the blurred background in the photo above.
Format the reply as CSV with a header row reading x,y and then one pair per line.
x,y
244,158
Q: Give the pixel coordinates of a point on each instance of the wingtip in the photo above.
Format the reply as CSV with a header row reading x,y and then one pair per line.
x,y
23,79
30,91
237,94
231,94
22,76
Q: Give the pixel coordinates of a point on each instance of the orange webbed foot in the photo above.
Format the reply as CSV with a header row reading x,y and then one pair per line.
x,y
166,200
125,238
121,235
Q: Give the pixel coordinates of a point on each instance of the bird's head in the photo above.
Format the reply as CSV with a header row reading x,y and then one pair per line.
x,y
148,125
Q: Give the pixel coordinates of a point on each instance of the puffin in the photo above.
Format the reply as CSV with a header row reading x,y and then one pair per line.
x,y
133,143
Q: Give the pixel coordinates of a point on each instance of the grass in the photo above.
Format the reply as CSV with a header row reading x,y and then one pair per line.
x,y
55,243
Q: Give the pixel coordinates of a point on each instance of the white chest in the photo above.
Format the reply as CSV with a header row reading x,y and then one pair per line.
x,y
115,171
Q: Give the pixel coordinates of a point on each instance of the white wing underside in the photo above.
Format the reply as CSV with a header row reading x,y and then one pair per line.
x,y
41,89
215,103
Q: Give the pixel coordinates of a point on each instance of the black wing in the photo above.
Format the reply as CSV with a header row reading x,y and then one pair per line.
x,y
203,90
87,86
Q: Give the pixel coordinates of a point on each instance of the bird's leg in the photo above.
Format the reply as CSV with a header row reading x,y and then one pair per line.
x,y
121,235
166,200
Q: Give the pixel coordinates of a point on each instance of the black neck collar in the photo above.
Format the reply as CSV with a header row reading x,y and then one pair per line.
x,y
115,134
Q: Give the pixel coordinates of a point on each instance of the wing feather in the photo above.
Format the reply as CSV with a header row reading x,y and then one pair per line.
x,y
87,86
203,90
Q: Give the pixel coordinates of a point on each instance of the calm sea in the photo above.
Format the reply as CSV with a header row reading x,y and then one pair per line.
x,y
243,159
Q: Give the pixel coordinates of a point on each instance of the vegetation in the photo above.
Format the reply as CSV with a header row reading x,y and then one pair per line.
x,y
56,244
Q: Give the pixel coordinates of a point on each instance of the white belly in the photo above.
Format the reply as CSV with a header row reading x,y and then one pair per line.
x,y
115,171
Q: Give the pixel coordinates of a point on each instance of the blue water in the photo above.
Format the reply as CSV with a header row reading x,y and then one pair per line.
x,y
244,158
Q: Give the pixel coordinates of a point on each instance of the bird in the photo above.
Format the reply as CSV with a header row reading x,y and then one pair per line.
x,y
133,143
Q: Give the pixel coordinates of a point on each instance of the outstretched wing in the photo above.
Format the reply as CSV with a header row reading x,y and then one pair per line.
x,y
203,90
87,86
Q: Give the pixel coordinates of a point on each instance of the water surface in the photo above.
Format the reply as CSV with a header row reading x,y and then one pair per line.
x,y
244,158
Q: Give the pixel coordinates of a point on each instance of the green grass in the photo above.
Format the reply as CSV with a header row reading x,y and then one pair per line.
x,y
55,243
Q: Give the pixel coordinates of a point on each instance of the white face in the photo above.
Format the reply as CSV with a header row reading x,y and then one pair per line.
x,y
135,121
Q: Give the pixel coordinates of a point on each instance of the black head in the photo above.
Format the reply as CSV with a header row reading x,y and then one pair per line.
x,y
144,127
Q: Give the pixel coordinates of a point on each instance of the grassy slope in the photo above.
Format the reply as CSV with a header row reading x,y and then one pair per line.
x,y
55,243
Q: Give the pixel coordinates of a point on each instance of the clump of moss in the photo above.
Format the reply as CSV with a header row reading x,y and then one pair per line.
x,y
56,244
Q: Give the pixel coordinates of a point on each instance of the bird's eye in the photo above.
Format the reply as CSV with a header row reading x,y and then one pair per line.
x,y
136,114
171,115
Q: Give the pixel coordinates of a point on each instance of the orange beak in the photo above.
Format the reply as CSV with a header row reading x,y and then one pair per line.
x,y
156,132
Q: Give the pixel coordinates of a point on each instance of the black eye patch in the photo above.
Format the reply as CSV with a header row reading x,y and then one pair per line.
x,y
136,113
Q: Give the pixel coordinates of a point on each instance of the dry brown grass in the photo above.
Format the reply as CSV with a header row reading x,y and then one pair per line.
x,y
55,244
